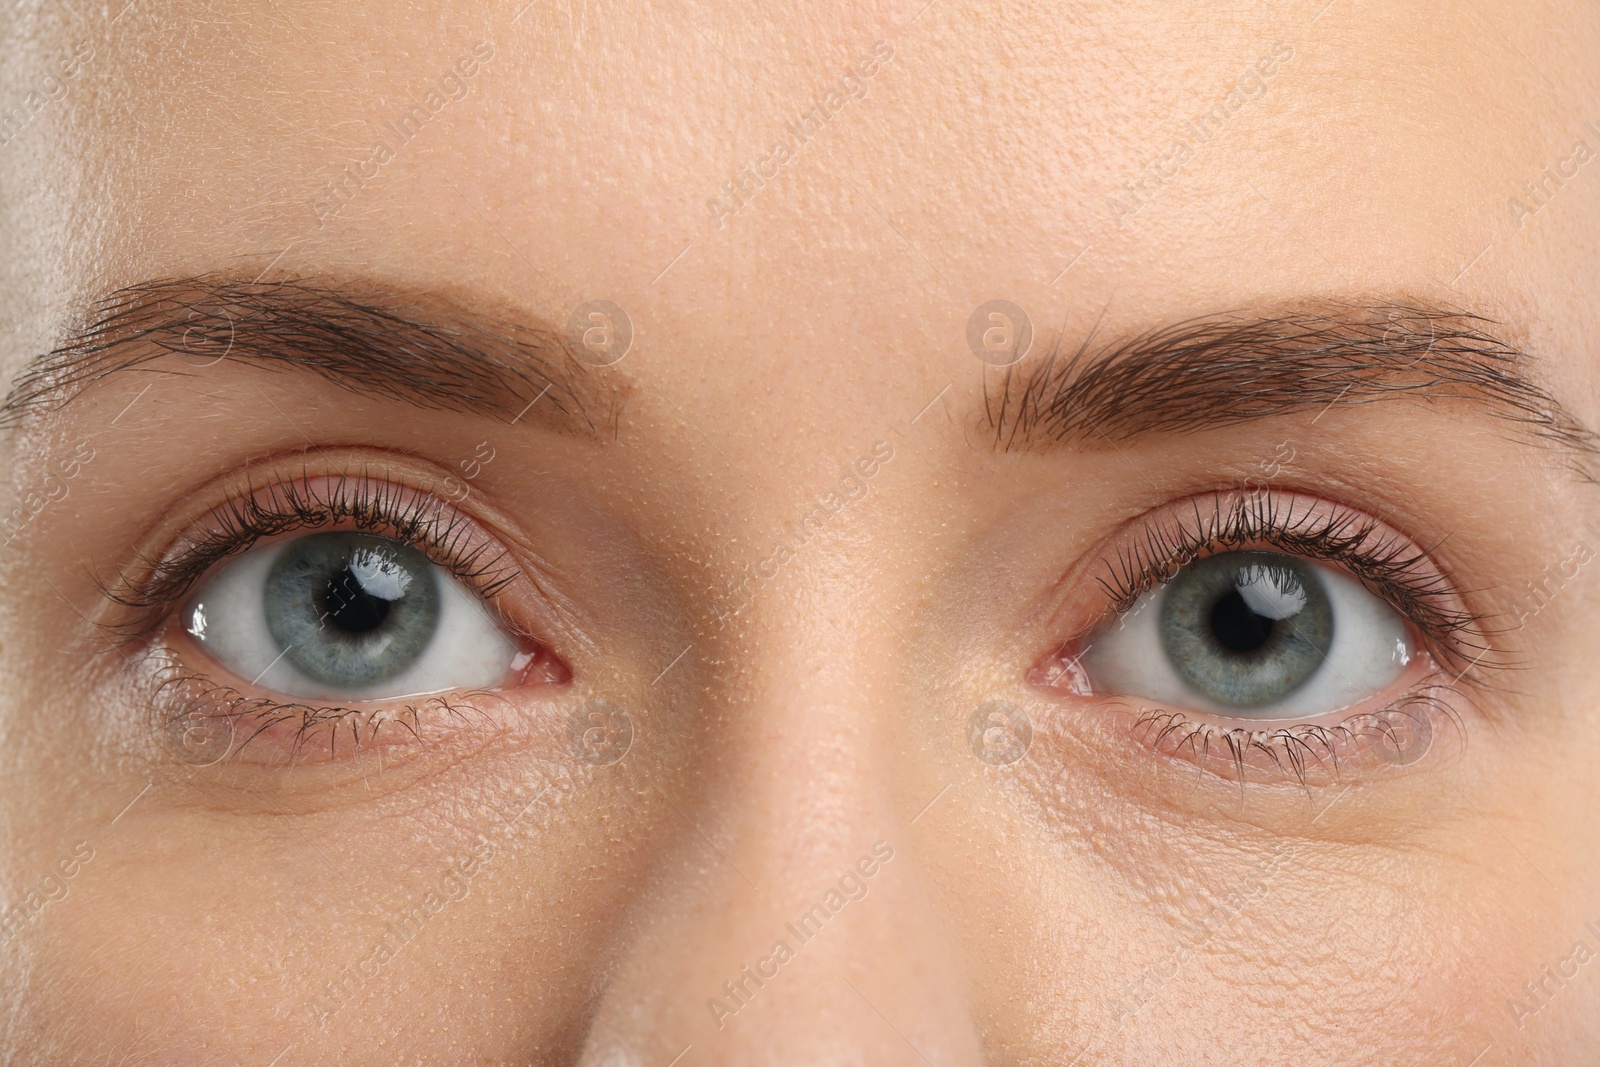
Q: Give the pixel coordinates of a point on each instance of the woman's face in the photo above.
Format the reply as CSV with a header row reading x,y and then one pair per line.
x,y
854,534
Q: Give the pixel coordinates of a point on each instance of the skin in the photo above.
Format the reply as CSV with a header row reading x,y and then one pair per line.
x,y
1031,910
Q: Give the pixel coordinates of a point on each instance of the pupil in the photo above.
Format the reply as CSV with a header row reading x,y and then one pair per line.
x,y
350,607
1237,627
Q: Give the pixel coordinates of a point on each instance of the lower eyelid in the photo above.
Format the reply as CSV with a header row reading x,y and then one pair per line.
x,y
196,708
200,720
1379,739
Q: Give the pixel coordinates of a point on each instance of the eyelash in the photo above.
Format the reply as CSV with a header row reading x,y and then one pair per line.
x,y
366,503
1385,562
1299,524
180,694
185,696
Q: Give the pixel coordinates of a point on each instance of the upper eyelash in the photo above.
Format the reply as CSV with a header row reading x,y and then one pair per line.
x,y
363,500
1383,561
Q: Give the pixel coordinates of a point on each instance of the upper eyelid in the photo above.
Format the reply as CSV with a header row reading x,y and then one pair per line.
x,y
434,525
1429,599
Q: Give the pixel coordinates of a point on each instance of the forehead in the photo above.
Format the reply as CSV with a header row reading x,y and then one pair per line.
x,y
809,179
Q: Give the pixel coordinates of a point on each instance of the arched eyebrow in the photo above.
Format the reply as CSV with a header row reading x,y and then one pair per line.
x,y
419,349
1235,367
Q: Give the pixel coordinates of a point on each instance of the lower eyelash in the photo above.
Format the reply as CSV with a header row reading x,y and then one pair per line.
x,y
1383,561
1366,738
183,700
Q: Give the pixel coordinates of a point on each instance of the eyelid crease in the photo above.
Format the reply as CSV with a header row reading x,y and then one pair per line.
x,y
1300,524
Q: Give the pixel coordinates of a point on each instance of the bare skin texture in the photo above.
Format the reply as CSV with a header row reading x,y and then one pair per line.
x,y
799,535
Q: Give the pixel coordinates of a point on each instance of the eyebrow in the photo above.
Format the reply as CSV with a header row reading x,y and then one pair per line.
x,y
1218,370
419,349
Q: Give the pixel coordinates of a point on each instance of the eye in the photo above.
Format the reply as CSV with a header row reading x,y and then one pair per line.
x,y
348,615
1253,635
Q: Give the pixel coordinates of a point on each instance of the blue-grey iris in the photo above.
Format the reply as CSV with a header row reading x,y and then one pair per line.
x,y
1246,628
349,609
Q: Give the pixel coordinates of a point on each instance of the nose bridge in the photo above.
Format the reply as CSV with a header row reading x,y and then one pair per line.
x,y
792,921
